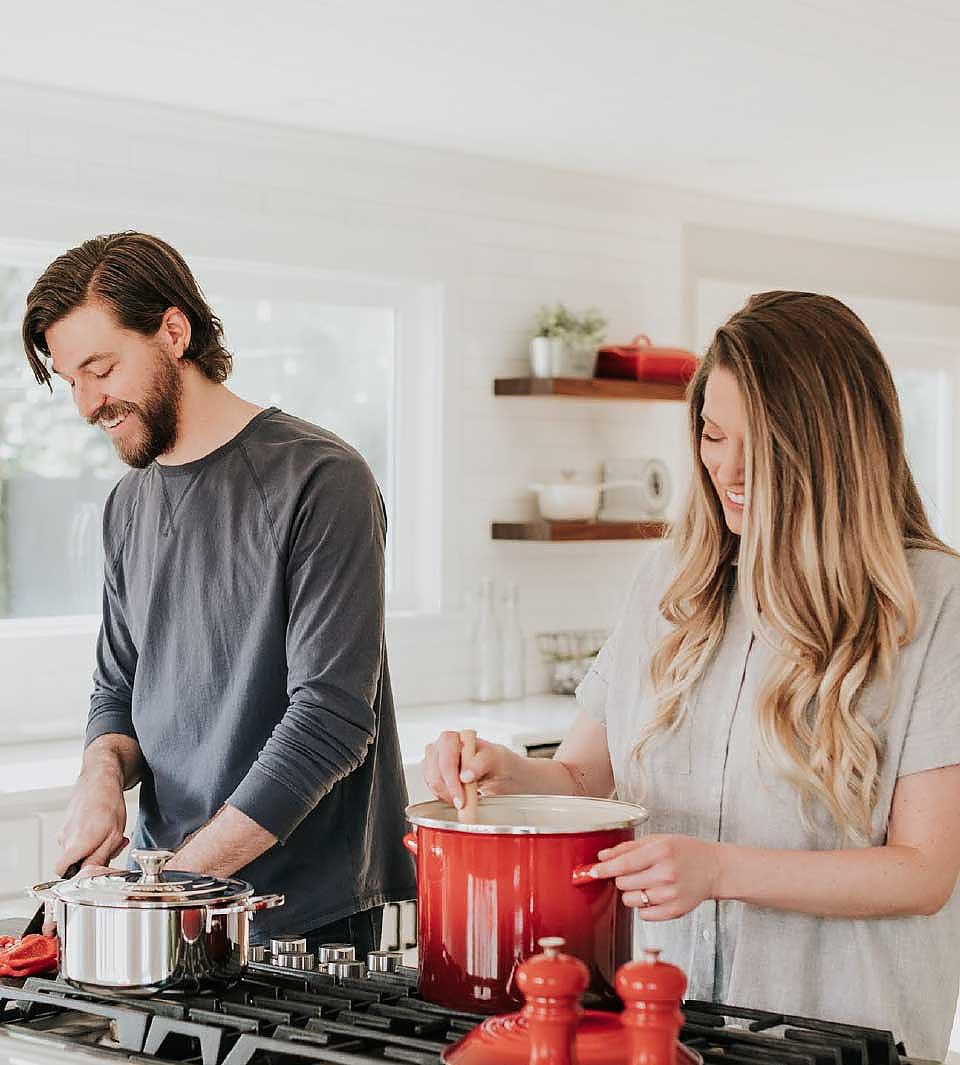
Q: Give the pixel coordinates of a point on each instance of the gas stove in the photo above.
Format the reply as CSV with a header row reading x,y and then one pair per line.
x,y
275,1016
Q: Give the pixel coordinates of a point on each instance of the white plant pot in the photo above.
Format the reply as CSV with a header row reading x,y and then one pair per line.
x,y
541,356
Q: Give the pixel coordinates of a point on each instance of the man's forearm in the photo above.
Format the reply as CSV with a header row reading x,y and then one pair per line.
x,y
228,842
114,755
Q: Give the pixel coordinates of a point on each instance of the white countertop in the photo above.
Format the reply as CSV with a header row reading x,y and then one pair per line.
x,y
524,722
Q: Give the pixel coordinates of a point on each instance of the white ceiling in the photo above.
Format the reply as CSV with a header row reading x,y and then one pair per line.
x,y
845,105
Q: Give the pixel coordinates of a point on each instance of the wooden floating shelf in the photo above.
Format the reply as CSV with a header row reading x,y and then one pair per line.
x,y
570,531
588,388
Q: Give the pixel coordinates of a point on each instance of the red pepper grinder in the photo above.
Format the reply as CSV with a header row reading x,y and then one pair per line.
x,y
552,984
652,991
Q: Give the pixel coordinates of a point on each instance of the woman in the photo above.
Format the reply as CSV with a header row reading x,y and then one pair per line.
x,y
782,693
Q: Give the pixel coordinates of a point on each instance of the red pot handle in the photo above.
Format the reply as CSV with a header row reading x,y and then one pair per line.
x,y
581,875
410,842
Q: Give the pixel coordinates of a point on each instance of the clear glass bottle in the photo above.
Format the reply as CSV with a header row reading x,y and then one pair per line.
x,y
487,686
514,648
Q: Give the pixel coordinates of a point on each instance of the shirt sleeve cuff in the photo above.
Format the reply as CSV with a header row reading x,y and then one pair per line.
x,y
592,695
109,722
930,751
268,802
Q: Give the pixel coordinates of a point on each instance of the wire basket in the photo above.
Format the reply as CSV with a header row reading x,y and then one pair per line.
x,y
570,655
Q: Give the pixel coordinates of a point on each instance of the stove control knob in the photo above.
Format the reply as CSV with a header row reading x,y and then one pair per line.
x,y
384,961
336,952
298,960
347,970
292,944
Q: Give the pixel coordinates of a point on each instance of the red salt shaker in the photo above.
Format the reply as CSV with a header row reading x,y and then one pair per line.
x,y
652,992
552,984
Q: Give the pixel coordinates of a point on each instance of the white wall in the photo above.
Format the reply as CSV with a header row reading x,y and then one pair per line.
x,y
498,238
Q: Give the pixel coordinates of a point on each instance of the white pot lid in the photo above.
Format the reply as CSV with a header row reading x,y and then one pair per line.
x,y
532,815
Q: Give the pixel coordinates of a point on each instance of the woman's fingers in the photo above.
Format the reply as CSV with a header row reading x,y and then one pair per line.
x,y
446,770
482,765
431,773
654,880
633,857
448,758
666,912
620,848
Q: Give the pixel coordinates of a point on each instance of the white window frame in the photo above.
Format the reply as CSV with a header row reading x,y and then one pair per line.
x,y
417,473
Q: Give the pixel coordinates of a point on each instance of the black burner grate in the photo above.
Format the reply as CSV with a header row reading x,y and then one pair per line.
x,y
734,1035
271,1017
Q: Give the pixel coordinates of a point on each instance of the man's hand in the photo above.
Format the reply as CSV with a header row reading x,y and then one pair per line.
x,y
96,815
96,818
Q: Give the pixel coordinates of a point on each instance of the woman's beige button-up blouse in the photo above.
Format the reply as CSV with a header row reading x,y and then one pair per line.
x,y
709,779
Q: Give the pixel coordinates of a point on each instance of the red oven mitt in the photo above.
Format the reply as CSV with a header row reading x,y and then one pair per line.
x,y
29,956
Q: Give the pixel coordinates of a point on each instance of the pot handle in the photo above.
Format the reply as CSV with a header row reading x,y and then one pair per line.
x,y
580,876
256,903
44,892
410,842
252,905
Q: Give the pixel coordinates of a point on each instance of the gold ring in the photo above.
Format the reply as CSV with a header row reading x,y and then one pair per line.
x,y
644,898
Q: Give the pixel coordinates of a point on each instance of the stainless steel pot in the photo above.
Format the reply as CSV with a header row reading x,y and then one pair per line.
x,y
145,932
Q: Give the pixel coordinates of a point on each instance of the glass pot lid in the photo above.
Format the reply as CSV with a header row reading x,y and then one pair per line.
x,y
151,887
531,815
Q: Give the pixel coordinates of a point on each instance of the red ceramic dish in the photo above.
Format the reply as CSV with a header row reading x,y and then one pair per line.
x,y
488,892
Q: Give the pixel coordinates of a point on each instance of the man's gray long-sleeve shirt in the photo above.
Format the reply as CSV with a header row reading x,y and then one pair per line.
x,y
242,647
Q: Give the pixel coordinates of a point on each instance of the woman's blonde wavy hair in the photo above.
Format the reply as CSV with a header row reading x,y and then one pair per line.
x,y
830,509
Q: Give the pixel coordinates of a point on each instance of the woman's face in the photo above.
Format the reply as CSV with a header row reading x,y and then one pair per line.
x,y
721,443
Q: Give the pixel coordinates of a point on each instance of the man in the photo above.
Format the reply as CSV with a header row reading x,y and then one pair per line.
x,y
241,672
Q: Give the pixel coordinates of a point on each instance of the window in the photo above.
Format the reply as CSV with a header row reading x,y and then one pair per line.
x,y
356,356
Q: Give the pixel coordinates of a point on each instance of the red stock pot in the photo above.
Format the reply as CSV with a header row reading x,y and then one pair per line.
x,y
488,891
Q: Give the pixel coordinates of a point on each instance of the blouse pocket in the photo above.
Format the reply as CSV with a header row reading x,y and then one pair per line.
x,y
671,752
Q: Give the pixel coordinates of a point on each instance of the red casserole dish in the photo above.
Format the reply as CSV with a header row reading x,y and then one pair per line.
x,y
642,361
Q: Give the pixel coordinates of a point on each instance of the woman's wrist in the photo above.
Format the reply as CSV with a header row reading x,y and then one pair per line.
x,y
723,865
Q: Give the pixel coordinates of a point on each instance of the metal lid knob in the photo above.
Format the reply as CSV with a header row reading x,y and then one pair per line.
x,y
151,864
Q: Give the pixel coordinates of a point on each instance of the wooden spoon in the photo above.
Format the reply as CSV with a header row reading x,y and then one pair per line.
x,y
468,748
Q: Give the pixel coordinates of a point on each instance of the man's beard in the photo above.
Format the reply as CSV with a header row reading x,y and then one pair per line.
x,y
159,415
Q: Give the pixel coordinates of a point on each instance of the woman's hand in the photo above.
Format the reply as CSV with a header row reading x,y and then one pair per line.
x,y
445,771
662,876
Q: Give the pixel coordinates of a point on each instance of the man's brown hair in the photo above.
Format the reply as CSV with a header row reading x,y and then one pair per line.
x,y
139,278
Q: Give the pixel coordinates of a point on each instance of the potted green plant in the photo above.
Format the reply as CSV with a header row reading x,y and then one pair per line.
x,y
565,344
